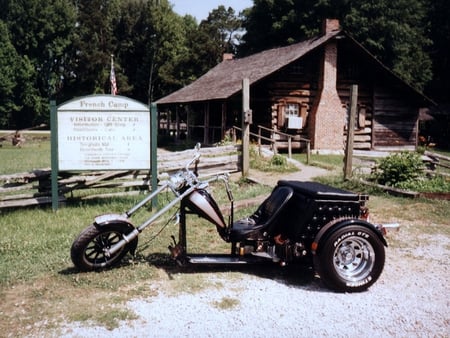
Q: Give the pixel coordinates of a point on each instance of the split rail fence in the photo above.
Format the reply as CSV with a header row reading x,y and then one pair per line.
x,y
34,188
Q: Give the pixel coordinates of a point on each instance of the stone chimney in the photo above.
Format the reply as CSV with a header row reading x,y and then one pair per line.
x,y
327,113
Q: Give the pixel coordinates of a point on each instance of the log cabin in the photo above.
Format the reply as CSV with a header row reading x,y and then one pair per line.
x,y
302,90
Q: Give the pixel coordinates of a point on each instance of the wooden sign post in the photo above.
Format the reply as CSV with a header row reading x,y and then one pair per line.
x,y
350,132
246,121
100,132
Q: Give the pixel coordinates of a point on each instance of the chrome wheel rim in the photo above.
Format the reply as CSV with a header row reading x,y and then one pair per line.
x,y
353,259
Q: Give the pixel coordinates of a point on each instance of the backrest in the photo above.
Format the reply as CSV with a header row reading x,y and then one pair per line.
x,y
273,204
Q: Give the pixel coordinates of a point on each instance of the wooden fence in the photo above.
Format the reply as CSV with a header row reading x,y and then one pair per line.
x,y
274,137
439,160
34,188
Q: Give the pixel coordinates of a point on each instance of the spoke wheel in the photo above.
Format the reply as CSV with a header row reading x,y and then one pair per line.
x,y
88,251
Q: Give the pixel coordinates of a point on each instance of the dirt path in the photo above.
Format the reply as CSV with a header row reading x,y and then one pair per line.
x,y
304,173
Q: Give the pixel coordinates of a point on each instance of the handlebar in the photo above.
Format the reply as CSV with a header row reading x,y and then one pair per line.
x,y
188,177
195,160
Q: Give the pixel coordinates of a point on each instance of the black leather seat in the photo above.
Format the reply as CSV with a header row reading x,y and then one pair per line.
x,y
264,219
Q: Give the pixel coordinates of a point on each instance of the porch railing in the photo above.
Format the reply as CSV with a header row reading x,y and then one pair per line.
x,y
273,141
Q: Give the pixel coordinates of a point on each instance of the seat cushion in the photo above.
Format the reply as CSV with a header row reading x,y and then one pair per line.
x,y
264,218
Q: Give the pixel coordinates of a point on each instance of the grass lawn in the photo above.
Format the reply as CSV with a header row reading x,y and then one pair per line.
x,y
34,154
40,289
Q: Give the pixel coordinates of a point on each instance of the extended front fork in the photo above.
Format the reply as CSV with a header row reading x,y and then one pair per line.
x,y
178,249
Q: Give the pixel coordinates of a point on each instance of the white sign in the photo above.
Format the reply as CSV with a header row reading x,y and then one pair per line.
x,y
102,132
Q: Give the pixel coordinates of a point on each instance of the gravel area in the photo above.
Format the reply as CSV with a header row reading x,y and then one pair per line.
x,y
411,299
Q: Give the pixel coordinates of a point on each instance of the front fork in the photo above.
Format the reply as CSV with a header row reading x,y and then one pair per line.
x,y
133,234
178,249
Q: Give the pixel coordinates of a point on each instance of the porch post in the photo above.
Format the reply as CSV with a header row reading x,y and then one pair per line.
x,y
246,120
350,132
206,124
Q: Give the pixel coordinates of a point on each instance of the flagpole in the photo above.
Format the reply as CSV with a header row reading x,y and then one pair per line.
x,y
112,77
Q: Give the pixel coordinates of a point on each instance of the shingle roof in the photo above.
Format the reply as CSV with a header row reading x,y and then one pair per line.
x,y
225,79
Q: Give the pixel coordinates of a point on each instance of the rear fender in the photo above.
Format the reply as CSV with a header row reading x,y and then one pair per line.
x,y
120,220
334,225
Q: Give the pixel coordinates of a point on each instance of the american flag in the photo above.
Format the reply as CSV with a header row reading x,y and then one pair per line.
x,y
112,78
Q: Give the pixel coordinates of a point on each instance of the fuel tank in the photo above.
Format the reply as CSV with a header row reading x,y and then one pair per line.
x,y
202,203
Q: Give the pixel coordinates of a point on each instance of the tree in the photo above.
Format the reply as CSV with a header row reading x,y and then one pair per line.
x,y
438,17
133,32
167,50
40,33
8,77
206,43
193,62
224,28
274,23
93,45
393,30
152,43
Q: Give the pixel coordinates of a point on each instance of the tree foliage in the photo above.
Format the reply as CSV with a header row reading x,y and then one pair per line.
x,y
439,50
395,32
392,30
40,33
62,48
93,45
8,76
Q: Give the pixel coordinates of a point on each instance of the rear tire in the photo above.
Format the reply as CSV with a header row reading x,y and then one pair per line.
x,y
350,259
88,250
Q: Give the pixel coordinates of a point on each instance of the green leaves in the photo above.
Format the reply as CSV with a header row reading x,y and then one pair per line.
x,y
399,168
61,48
395,31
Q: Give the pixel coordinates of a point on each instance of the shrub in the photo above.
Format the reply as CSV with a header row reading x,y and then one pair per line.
x,y
278,160
276,163
398,168
437,184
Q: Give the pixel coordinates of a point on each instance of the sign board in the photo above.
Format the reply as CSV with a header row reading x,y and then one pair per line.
x,y
103,132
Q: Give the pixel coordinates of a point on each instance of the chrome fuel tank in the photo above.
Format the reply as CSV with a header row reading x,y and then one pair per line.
x,y
202,203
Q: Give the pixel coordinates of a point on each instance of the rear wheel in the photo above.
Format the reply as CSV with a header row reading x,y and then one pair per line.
x,y
88,251
350,259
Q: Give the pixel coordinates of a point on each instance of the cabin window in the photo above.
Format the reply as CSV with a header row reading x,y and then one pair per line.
x,y
292,119
292,110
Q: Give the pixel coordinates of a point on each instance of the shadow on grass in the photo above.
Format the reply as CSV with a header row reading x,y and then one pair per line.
x,y
299,275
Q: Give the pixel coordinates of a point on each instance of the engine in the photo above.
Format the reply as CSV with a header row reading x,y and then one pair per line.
x,y
282,252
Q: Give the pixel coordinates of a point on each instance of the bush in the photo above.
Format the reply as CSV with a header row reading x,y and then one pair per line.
x,y
276,163
437,184
399,168
278,160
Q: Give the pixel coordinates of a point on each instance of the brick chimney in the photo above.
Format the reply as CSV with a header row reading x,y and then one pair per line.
x,y
327,113
330,25
227,56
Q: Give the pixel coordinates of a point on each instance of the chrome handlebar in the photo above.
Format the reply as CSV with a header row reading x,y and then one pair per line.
x,y
188,177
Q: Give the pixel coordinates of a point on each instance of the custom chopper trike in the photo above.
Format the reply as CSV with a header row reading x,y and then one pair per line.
x,y
298,222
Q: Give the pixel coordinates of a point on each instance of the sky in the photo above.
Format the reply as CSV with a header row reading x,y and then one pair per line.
x,y
201,8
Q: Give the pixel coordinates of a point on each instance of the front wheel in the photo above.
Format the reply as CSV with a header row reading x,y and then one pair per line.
x,y
351,259
88,250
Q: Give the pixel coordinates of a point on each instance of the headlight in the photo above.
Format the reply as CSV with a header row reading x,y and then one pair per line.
x,y
177,181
